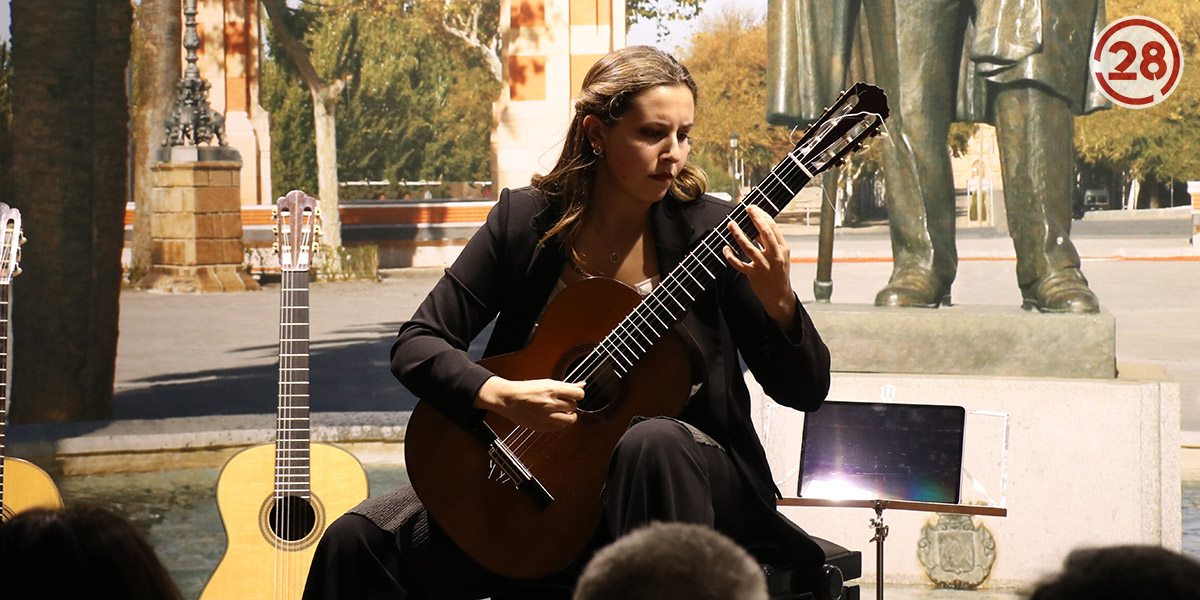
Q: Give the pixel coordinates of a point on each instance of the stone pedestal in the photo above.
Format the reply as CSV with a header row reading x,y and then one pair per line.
x,y
967,340
1082,462
196,224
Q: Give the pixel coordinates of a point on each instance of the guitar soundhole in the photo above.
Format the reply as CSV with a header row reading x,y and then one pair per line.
x,y
603,385
292,518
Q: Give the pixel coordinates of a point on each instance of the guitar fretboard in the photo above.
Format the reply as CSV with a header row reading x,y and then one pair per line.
x,y
4,345
292,422
621,349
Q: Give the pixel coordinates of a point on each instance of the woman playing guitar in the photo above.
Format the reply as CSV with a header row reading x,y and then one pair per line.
x,y
622,203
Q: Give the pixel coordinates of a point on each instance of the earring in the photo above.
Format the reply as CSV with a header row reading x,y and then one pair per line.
x,y
597,151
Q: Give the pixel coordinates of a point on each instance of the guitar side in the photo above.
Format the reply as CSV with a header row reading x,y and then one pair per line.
x,y
27,486
258,564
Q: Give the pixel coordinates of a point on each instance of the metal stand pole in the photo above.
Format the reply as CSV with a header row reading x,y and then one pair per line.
x,y
881,532
823,284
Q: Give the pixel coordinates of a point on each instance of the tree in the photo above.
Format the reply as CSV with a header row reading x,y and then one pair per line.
x,y
727,58
155,67
660,12
6,139
417,104
70,120
326,93
1158,143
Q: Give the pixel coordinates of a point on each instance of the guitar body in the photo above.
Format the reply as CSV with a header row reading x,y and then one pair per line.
x,y
493,521
258,562
27,486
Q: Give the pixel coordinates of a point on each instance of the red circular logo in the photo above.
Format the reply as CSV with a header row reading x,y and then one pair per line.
x,y
1136,62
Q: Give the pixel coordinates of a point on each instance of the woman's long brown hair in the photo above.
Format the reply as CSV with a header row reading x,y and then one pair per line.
x,y
608,91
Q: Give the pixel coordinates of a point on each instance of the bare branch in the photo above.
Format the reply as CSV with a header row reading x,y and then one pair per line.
x,y
490,56
292,46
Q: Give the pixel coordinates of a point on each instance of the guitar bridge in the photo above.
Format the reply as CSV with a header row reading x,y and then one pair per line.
x,y
504,458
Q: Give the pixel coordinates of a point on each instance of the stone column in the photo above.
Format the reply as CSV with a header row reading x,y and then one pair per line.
x,y
196,225
548,46
1194,191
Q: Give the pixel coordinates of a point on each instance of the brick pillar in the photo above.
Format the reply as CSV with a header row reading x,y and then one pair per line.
x,y
1194,191
196,225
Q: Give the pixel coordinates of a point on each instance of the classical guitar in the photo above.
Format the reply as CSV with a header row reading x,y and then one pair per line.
x,y
524,504
23,485
276,499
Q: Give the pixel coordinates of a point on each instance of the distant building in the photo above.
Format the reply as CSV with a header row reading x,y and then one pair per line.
x,y
548,47
230,59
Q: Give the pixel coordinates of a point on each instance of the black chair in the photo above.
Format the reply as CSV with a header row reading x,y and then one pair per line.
x,y
835,582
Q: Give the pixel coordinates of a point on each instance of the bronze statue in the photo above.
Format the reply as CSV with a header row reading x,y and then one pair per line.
x,y
1021,65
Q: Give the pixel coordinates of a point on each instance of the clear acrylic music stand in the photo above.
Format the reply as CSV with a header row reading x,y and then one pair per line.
x,y
982,481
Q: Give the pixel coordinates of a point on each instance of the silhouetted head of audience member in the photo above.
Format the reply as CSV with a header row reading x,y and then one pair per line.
x,y
79,552
1125,573
672,561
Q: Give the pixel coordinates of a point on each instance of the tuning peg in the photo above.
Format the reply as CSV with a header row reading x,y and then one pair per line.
x,y
274,212
275,247
22,240
17,272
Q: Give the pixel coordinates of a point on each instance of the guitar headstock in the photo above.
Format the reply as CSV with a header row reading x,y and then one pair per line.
x,y
843,128
296,230
10,243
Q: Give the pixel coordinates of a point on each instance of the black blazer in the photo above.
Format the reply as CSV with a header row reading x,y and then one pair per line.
x,y
504,271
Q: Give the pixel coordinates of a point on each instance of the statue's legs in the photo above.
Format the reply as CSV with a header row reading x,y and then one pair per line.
x,y
1035,130
920,186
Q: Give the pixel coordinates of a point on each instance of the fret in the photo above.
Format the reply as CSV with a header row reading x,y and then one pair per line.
x,y
781,182
667,292
803,168
636,331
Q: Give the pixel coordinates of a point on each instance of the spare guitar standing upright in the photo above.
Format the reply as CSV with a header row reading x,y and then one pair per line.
x,y
23,485
277,499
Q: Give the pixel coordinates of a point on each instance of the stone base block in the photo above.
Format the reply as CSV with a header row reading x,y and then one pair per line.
x,y
204,279
967,340
1080,463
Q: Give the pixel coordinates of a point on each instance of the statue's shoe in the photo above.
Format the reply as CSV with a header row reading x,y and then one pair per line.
x,y
914,287
1064,291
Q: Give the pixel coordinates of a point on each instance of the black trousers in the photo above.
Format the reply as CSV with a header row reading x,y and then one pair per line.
x,y
661,470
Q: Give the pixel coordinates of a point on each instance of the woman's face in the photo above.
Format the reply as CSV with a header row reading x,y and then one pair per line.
x,y
644,151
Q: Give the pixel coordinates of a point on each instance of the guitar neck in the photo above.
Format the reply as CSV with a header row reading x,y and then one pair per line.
x,y
4,345
857,114
638,332
292,456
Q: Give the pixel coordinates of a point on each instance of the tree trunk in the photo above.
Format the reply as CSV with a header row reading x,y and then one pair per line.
x,y
70,120
158,65
325,121
325,98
